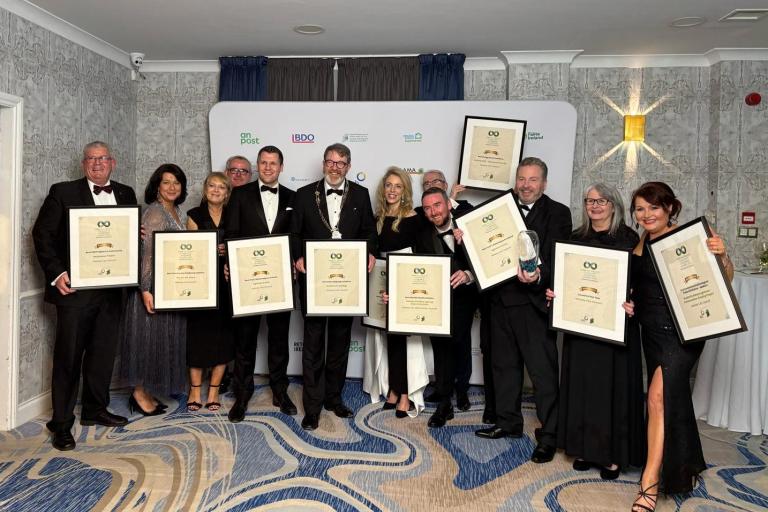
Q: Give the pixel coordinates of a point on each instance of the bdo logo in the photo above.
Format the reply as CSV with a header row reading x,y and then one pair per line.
x,y
103,224
303,138
248,138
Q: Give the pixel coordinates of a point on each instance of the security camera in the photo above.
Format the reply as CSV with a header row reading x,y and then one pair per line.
x,y
137,59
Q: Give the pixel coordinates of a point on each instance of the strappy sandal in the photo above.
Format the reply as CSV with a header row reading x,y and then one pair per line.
x,y
213,406
649,497
194,406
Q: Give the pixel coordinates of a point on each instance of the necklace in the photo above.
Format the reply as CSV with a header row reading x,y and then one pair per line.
x,y
335,233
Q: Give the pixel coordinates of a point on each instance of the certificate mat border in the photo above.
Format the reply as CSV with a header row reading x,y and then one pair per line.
x,y
484,283
367,321
501,122
213,270
362,278
133,278
287,305
444,260
619,335
735,323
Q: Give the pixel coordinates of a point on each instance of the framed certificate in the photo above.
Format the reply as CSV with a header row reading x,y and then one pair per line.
x,y
260,275
490,151
490,240
337,277
697,290
377,284
590,284
185,270
104,246
419,294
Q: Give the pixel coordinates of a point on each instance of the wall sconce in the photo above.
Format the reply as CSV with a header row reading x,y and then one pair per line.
x,y
634,128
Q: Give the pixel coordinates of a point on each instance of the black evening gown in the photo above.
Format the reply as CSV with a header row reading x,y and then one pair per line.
x,y
389,240
209,331
601,387
683,457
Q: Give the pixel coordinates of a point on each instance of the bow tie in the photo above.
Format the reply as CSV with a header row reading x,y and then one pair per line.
x,y
525,207
334,191
447,233
265,188
98,190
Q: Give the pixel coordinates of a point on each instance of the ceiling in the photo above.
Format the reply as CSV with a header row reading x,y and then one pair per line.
x,y
205,29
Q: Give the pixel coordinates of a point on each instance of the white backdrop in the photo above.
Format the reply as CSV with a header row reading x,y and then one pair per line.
x,y
416,136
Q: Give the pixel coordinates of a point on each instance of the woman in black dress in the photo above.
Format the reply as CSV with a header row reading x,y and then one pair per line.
x,y
398,226
601,384
675,457
209,333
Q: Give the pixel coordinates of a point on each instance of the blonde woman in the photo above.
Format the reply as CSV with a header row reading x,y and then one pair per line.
x,y
395,363
209,332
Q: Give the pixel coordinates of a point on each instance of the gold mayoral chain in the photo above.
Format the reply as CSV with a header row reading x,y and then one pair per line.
x,y
335,233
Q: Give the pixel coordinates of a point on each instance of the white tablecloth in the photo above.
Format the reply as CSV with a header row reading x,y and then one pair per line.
x,y
731,387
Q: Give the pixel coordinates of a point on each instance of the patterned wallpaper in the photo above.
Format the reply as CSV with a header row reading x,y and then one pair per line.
x,y
71,96
700,137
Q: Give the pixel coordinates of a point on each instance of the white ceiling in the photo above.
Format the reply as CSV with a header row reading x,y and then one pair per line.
x,y
206,29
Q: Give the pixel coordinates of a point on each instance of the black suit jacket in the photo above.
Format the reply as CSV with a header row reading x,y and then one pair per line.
x,y
245,212
551,221
51,230
356,220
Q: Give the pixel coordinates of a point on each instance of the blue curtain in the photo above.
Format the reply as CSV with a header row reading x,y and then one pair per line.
x,y
442,76
243,79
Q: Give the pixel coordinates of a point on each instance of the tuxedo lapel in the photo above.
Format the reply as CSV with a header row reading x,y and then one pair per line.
x,y
86,198
259,207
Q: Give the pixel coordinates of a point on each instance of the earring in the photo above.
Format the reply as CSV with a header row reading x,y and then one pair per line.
x,y
637,225
669,223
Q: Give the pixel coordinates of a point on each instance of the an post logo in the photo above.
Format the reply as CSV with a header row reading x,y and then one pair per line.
x,y
303,138
248,138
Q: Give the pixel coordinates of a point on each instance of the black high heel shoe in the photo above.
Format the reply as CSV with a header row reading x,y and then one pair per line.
x,y
404,414
133,405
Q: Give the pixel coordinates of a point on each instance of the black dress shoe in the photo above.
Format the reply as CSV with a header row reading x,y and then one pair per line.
x,y
237,411
581,465
340,410
496,432
63,440
284,402
543,453
610,474
462,401
443,413
105,418
433,397
310,422
489,417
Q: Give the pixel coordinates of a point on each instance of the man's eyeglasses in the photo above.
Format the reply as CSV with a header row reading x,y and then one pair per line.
x,y
97,159
234,171
334,164
599,202
432,183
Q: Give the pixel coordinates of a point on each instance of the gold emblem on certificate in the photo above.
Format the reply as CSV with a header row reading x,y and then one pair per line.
x,y
590,285
490,151
337,277
260,275
419,294
104,246
185,270
700,296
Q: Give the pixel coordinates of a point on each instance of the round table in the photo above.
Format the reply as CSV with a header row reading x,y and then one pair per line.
x,y
731,387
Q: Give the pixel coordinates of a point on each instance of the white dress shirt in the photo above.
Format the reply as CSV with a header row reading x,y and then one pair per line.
x,y
333,202
270,202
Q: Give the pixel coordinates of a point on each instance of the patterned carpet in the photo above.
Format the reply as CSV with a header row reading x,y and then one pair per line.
x,y
200,461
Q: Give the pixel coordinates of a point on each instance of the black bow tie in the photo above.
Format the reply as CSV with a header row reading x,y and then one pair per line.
x,y
334,191
447,233
98,190
265,188
525,207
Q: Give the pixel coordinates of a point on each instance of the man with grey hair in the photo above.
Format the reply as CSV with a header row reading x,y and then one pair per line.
x,y
85,319
239,170
519,334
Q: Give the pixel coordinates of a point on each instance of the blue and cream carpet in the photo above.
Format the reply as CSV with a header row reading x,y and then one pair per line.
x,y
199,461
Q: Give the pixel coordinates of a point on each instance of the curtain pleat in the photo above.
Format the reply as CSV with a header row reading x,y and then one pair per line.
x,y
441,76
378,79
243,79
300,80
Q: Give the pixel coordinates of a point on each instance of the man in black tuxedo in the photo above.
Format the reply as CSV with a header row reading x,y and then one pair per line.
x,y
519,333
238,168
437,238
262,207
332,208
85,319
434,178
